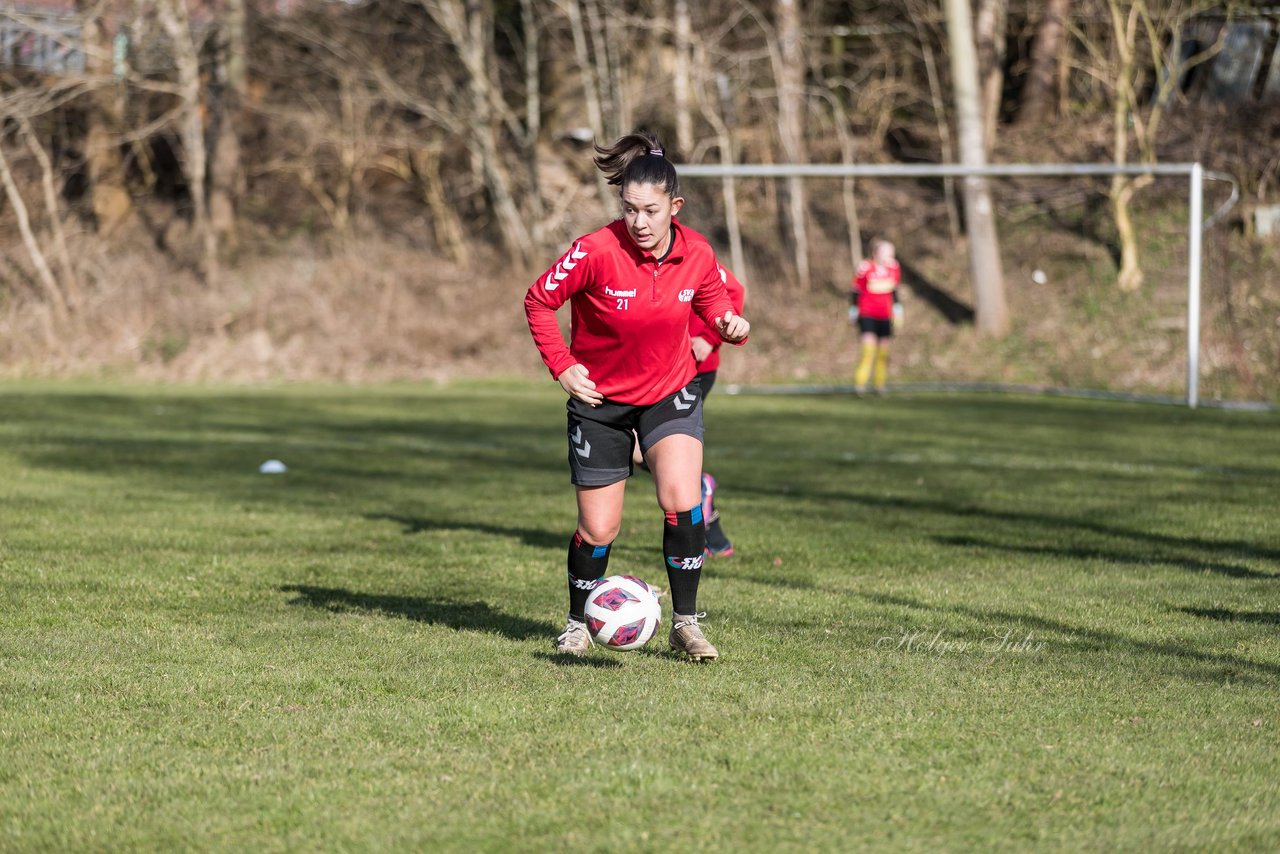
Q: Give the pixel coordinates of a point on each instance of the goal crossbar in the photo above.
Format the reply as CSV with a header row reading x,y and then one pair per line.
x,y
1194,172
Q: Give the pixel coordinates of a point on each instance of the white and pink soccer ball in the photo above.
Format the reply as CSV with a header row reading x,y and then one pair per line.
x,y
622,612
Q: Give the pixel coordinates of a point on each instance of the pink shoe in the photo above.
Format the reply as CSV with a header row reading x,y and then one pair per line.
x,y
710,553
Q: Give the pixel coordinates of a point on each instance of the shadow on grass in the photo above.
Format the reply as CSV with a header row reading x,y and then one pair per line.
x,y
1167,548
461,616
573,661
347,444
1213,666
1083,553
529,536
1266,618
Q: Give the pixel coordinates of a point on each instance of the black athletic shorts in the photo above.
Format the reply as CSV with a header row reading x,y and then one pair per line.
x,y
876,326
601,437
708,379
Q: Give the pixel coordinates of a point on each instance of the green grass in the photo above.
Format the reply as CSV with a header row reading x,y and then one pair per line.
x,y
356,655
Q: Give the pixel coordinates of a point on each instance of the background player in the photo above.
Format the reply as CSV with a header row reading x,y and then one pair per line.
x,y
875,308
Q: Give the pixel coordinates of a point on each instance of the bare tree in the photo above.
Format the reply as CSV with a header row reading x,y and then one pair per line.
x,y
1046,57
989,27
985,266
112,204
590,88
469,24
1131,28
47,178
684,117
848,156
939,105
532,121
34,252
790,75
177,25
227,178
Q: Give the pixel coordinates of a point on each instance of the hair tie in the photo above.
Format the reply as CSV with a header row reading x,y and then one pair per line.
x,y
656,151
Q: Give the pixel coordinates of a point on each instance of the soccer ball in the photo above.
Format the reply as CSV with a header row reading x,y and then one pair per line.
x,y
622,612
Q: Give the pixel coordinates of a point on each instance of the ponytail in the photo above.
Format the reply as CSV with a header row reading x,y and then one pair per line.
x,y
638,158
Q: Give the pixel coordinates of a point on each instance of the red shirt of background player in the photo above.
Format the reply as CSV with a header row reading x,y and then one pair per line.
x,y
699,329
630,311
875,284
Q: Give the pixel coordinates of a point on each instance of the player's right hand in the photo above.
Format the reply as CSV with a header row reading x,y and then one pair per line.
x,y
853,314
573,380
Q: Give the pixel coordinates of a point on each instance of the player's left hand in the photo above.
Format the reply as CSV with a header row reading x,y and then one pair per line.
x,y
732,327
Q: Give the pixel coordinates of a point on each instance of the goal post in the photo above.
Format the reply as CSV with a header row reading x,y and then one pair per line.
x,y
1194,172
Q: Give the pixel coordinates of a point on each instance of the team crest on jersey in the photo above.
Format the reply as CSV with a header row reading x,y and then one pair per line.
x,y
686,295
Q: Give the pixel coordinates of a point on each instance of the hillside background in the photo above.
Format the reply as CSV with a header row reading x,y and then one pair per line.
x,y
363,191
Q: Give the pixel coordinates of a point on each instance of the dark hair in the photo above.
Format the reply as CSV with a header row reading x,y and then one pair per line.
x,y
638,158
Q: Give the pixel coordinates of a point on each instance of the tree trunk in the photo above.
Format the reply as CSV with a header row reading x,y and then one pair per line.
x,y
173,17
618,88
944,132
1130,275
791,99
989,35
533,122
984,248
47,279
227,183
468,25
727,123
603,73
1046,57
55,213
591,93
684,117
449,233
111,202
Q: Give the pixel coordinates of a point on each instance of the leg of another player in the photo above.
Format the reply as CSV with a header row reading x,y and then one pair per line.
x,y
676,463
718,544
863,374
637,458
882,364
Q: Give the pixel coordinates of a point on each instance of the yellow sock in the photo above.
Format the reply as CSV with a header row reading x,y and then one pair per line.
x,y
863,373
882,366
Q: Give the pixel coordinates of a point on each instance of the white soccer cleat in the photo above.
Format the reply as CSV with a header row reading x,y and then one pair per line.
x,y
575,639
686,636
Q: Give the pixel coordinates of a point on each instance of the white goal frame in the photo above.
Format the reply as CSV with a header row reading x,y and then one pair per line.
x,y
1194,172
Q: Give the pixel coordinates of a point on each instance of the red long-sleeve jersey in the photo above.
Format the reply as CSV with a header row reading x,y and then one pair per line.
x,y
875,285
629,325
699,329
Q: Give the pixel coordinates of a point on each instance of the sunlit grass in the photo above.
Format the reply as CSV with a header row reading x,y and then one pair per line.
x,y
952,622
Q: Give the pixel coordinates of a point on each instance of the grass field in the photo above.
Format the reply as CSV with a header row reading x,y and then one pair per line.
x,y
954,622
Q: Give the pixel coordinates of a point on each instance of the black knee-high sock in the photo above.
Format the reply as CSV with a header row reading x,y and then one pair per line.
x,y
587,565
716,537
684,539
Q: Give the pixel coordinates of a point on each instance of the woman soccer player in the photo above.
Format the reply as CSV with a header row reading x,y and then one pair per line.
x,y
875,308
630,375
